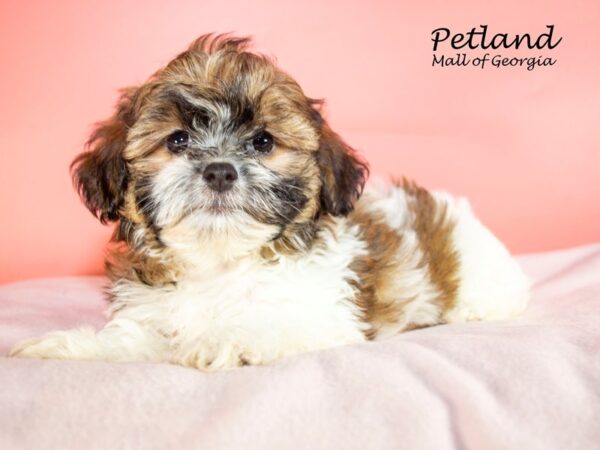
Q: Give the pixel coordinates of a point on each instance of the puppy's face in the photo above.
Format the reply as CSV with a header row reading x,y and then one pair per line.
x,y
219,142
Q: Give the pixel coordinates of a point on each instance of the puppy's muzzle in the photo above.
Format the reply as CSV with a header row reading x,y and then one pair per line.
x,y
220,176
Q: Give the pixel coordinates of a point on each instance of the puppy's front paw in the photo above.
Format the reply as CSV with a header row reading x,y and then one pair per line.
x,y
52,346
210,354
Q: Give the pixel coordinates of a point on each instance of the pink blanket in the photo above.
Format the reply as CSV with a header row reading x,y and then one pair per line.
x,y
531,383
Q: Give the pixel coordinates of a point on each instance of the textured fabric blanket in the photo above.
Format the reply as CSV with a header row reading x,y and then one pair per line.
x,y
530,383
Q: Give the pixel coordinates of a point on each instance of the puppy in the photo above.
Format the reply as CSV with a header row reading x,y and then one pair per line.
x,y
242,236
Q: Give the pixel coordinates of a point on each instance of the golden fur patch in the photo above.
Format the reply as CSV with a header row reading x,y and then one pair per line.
x,y
382,304
123,263
376,271
434,229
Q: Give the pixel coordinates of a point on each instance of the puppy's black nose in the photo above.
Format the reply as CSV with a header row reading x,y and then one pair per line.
x,y
220,176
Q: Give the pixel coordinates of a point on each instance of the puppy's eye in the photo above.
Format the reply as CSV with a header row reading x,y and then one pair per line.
x,y
178,141
262,142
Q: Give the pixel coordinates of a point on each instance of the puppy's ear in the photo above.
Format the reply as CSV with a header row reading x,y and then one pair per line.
x,y
100,174
343,174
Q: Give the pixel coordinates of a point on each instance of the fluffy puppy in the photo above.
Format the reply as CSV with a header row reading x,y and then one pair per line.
x,y
242,236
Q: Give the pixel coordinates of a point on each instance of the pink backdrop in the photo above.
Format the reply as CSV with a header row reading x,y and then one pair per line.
x,y
522,145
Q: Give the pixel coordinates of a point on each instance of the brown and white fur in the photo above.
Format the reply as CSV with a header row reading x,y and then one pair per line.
x,y
281,254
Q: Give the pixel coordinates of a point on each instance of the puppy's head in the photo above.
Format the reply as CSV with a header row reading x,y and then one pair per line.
x,y
218,143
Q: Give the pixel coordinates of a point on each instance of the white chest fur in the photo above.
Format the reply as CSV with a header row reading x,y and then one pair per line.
x,y
272,309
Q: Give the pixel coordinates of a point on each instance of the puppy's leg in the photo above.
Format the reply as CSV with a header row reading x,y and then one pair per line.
x,y
120,340
221,351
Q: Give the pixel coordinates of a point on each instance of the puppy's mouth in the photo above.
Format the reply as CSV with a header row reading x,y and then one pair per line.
x,y
221,205
220,208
